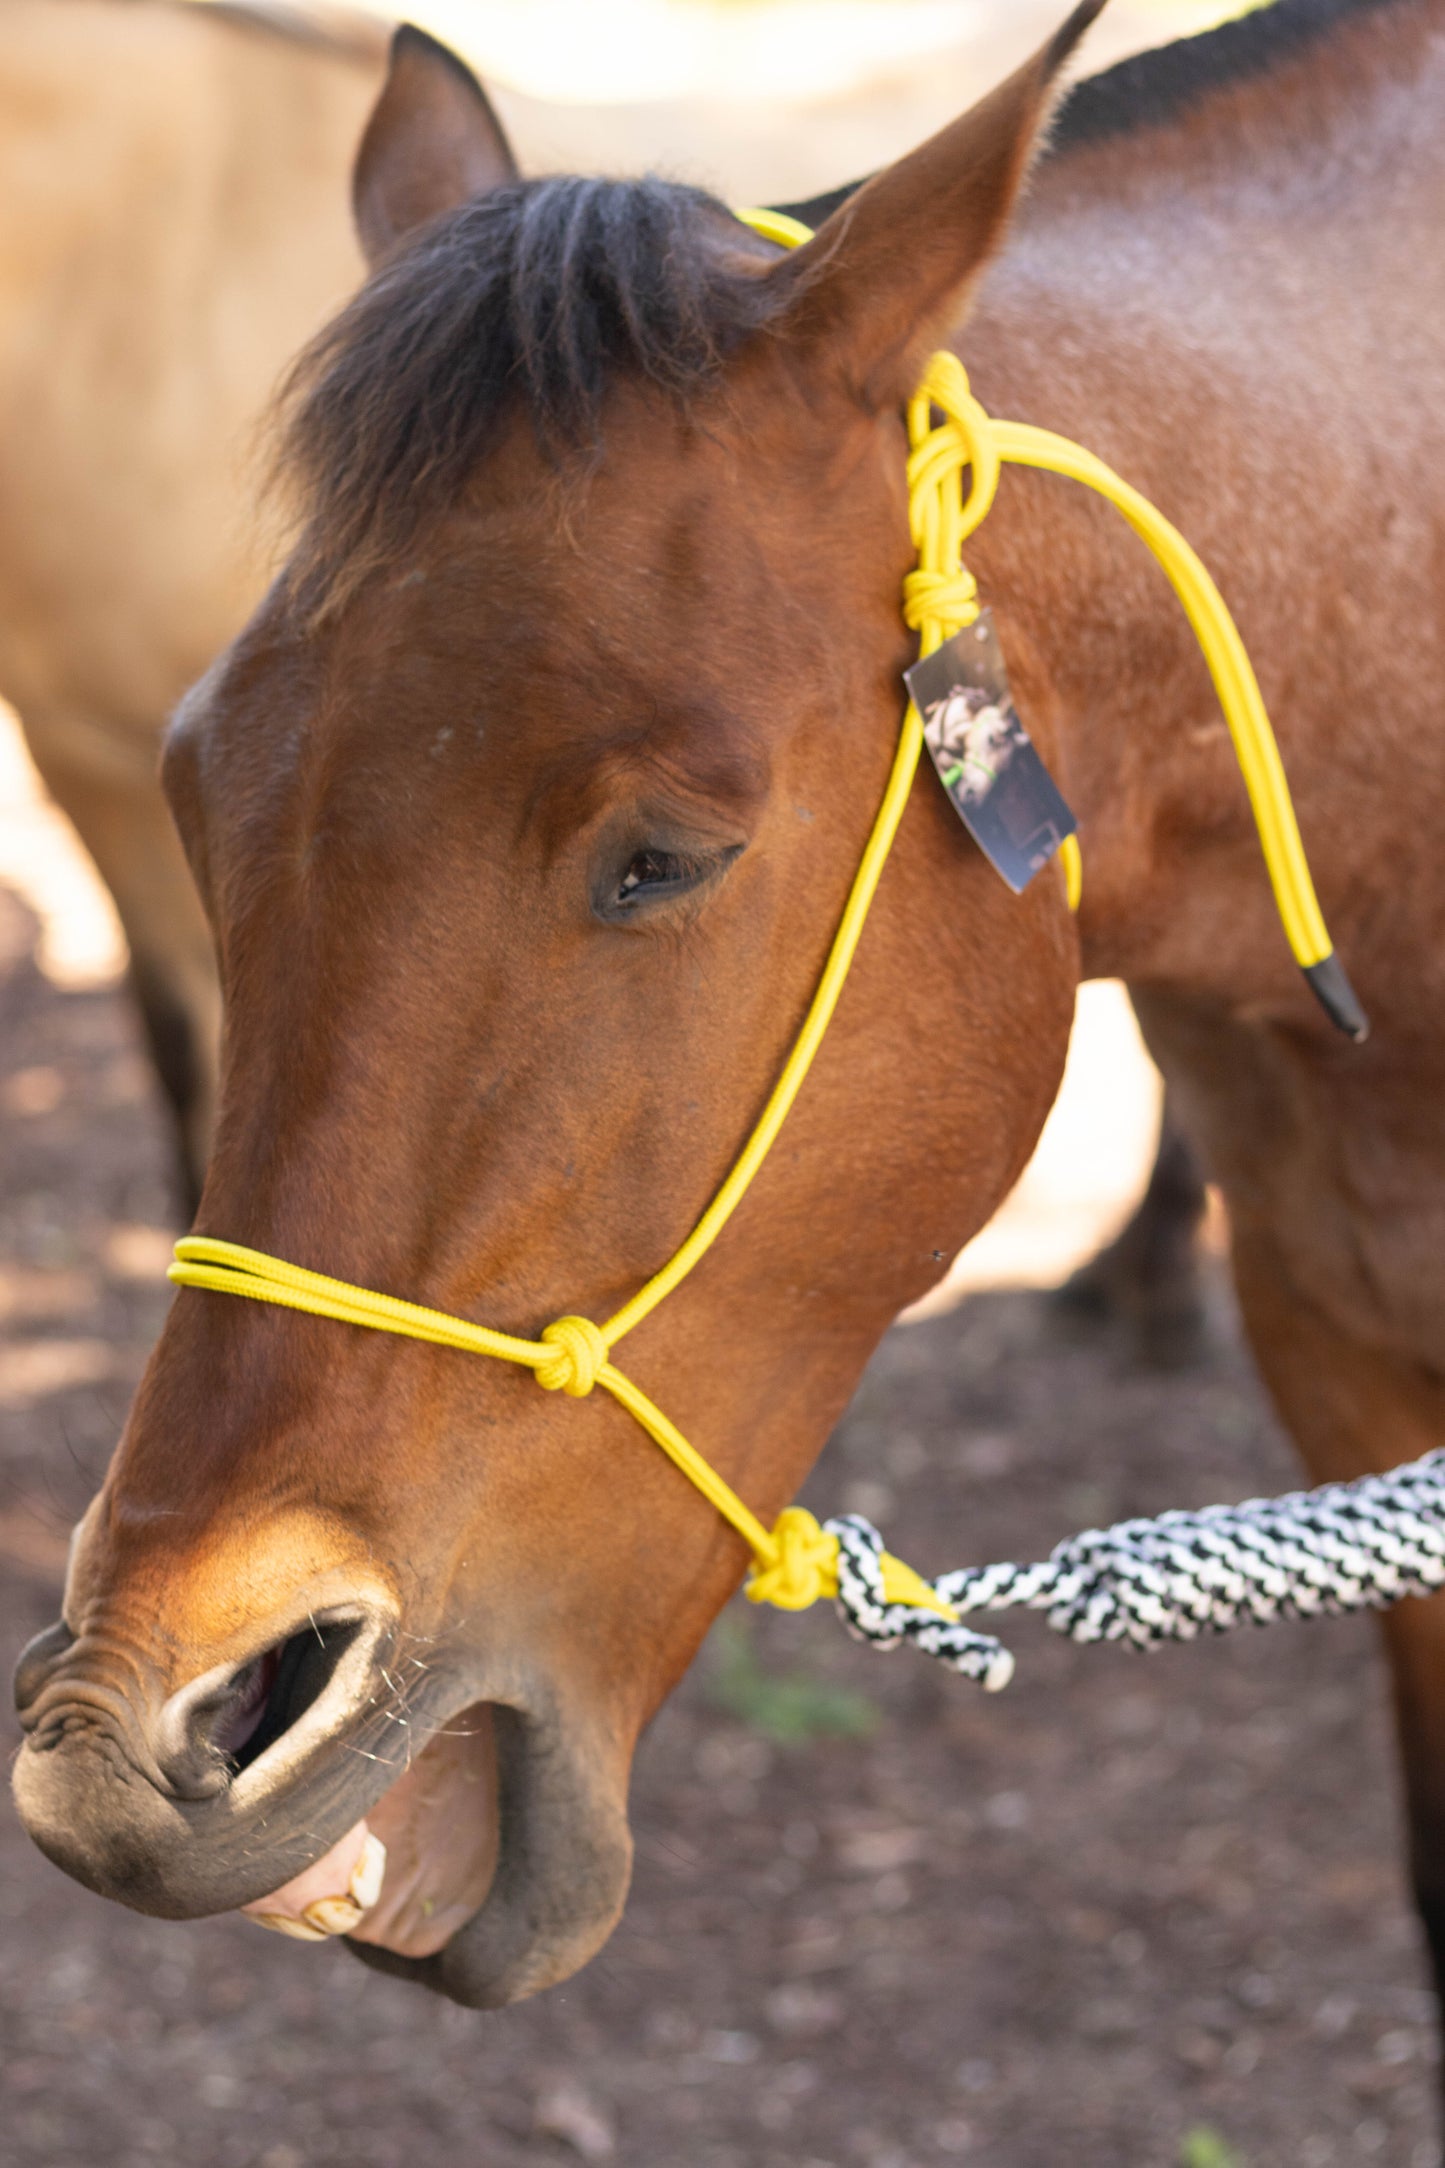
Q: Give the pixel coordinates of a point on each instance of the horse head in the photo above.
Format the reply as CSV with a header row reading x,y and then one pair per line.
x,y
524,811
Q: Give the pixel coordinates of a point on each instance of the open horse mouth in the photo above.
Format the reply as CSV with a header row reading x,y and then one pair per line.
x,y
475,1844
418,1865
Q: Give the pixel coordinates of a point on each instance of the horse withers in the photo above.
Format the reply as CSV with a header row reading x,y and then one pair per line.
x,y
524,811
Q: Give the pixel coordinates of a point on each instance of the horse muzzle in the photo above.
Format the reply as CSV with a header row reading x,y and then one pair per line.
x,y
502,1814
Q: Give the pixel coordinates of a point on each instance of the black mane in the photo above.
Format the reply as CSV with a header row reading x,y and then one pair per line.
x,y
1153,88
531,299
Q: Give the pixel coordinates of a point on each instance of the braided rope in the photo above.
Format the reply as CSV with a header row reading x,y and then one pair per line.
x,y
1345,1547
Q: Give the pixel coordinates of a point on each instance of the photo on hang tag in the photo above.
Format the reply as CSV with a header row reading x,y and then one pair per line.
x,y
986,760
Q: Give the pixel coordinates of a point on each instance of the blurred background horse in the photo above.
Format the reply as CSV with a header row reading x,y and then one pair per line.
x,y
172,227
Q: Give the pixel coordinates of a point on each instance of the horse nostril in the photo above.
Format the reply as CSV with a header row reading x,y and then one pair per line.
x,y
223,1722
242,1717
38,1659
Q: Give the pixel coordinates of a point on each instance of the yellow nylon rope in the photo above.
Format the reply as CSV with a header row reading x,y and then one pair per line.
x,y
795,1562
1229,666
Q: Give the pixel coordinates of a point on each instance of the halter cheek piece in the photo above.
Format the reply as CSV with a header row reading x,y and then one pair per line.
x,y
1097,1593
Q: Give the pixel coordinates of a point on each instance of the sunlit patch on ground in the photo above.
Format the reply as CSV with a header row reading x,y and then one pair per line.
x,y
30,1371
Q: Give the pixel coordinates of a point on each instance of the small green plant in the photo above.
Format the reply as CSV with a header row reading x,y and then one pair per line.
x,y
1204,2148
787,1707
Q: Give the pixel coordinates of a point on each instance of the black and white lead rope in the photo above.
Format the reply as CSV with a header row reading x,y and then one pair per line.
x,y
1345,1547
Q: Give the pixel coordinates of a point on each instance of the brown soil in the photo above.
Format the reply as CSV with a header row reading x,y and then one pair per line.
x,y
1134,1913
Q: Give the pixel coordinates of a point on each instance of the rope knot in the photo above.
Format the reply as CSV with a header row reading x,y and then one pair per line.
x,y
805,1566
951,598
580,1354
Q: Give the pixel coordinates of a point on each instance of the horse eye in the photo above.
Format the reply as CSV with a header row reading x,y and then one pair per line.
x,y
654,870
657,876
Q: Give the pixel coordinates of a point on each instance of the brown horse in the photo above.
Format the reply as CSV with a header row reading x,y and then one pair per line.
x,y
524,811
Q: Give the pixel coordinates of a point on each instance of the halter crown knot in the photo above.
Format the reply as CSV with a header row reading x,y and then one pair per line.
x,y
940,594
580,1355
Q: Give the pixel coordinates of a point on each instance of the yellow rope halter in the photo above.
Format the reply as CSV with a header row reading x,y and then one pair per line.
x,y
795,1562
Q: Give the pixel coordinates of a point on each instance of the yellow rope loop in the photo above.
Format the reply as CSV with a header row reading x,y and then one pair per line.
x,y
805,1566
940,596
968,435
580,1355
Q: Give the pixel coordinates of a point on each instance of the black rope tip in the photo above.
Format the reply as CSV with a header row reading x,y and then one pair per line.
x,y
1338,998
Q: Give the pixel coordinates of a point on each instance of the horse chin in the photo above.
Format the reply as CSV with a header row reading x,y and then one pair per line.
x,y
508,1920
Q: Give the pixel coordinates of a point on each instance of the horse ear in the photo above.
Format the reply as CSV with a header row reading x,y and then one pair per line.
x,y
888,277
432,143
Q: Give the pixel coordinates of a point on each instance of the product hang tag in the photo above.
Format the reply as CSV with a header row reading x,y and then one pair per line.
x,y
985,759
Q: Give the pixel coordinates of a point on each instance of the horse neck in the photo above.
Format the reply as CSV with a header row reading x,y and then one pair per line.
x,y
1229,311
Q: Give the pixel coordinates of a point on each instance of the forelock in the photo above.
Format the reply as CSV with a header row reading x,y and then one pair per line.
x,y
532,300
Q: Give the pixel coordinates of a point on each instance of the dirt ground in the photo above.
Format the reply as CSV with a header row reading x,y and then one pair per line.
x,y
1134,1913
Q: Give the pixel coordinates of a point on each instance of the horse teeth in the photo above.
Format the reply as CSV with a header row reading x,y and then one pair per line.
x,y
333,1915
281,1924
368,1873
